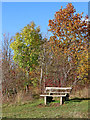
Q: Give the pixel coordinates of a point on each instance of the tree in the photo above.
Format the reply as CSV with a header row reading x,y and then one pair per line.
x,y
8,71
26,46
70,36
44,61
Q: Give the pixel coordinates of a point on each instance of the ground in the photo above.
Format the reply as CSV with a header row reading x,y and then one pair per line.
x,y
75,108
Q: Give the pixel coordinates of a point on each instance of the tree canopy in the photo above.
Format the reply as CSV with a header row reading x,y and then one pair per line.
x,y
26,46
70,36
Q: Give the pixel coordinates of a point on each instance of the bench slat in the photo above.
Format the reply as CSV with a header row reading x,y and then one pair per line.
x,y
54,95
58,88
57,92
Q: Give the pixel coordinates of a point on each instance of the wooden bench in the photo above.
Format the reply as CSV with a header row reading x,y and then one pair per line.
x,y
61,92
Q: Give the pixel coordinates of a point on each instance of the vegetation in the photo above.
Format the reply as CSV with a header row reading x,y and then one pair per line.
x,y
70,37
26,46
75,108
31,62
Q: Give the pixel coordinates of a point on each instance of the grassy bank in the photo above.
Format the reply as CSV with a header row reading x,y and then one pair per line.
x,y
75,108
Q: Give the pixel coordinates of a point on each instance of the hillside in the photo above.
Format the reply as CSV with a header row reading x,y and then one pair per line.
x,y
75,108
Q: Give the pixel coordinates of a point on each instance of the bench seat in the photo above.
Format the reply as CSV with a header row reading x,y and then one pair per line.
x,y
54,95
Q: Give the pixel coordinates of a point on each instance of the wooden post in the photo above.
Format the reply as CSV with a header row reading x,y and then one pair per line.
x,y
45,100
67,96
61,100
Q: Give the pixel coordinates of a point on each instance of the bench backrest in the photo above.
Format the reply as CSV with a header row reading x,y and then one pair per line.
x,y
58,89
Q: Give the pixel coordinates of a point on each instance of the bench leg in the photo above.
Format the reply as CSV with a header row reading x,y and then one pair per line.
x,y
45,100
60,100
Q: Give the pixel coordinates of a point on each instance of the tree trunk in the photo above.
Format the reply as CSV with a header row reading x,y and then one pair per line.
x,y
41,79
27,89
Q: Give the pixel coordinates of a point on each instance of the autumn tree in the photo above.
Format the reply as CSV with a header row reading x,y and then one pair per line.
x,y
70,36
6,61
26,47
44,60
8,81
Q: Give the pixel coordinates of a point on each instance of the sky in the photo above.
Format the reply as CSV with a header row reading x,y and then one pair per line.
x,y
16,15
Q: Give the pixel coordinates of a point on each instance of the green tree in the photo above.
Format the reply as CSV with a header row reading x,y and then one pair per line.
x,y
26,46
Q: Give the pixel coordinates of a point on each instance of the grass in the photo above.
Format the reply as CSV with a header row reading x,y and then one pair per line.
x,y
75,108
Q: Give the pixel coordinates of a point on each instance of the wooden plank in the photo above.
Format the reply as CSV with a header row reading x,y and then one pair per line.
x,y
53,95
58,92
58,88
